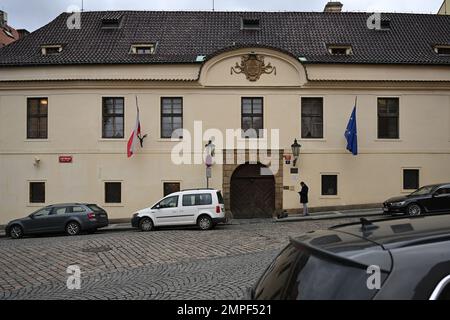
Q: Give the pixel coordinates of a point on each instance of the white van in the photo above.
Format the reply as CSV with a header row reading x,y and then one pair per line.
x,y
202,207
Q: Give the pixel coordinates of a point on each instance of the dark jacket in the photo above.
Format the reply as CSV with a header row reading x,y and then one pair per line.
x,y
304,194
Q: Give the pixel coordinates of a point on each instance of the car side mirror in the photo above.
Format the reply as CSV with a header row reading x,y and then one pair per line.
x,y
158,206
31,216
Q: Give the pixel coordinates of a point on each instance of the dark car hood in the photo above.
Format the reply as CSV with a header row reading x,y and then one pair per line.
x,y
398,199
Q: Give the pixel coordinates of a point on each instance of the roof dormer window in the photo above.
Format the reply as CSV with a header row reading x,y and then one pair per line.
x,y
442,50
112,20
51,49
385,24
340,50
250,24
143,48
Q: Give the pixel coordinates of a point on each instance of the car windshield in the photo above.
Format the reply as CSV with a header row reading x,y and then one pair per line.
x,y
422,191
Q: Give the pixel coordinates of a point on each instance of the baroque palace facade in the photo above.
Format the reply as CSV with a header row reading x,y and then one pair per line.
x,y
68,96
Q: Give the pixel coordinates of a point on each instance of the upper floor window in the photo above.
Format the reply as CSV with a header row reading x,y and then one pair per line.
x,y
37,118
312,118
340,50
442,50
171,116
388,118
250,24
113,118
51,49
143,49
252,123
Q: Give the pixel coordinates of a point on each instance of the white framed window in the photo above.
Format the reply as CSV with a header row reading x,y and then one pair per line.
x,y
51,49
340,50
143,49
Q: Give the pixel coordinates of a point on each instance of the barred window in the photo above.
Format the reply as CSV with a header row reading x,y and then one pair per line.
x,y
252,116
37,118
37,192
388,118
113,118
171,116
312,118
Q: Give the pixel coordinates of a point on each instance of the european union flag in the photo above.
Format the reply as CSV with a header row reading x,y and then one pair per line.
x,y
351,134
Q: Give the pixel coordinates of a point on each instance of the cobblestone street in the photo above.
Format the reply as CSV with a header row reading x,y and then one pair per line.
x,y
166,264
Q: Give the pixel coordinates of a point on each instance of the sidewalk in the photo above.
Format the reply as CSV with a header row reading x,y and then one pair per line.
x,y
328,215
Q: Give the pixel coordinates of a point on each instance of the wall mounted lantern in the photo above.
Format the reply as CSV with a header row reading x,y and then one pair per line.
x,y
296,151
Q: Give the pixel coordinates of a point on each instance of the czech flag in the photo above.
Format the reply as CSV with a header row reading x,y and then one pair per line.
x,y
134,139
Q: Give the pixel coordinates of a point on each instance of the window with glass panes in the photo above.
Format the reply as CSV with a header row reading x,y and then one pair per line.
x,y
329,185
37,118
171,116
113,118
252,117
312,118
388,118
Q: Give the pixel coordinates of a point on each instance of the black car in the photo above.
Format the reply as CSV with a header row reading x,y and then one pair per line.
x,y
71,218
390,259
429,199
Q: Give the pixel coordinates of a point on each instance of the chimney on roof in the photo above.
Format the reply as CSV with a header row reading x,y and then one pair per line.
x,y
333,6
3,19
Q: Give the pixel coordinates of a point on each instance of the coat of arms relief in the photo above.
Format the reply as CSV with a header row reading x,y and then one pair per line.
x,y
253,66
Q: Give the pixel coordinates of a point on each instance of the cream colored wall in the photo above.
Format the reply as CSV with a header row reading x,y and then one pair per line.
x,y
75,129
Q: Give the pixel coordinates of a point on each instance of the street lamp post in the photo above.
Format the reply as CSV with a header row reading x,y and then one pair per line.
x,y
296,151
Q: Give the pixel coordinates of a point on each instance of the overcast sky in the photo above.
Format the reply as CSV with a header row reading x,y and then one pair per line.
x,y
32,14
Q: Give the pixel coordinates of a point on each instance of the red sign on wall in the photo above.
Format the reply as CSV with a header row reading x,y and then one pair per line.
x,y
65,159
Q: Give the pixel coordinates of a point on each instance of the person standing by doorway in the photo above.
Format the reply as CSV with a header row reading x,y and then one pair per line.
x,y
304,198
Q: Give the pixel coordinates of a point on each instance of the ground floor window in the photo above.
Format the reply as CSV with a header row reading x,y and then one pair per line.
x,y
113,192
37,192
329,185
411,179
171,187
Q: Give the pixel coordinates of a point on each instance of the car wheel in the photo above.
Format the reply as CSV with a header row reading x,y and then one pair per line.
x,y
73,228
16,232
414,210
146,225
205,223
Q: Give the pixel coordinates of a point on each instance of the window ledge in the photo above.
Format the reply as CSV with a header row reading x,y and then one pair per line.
x,y
388,140
169,140
113,205
37,205
37,140
330,197
313,140
112,140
